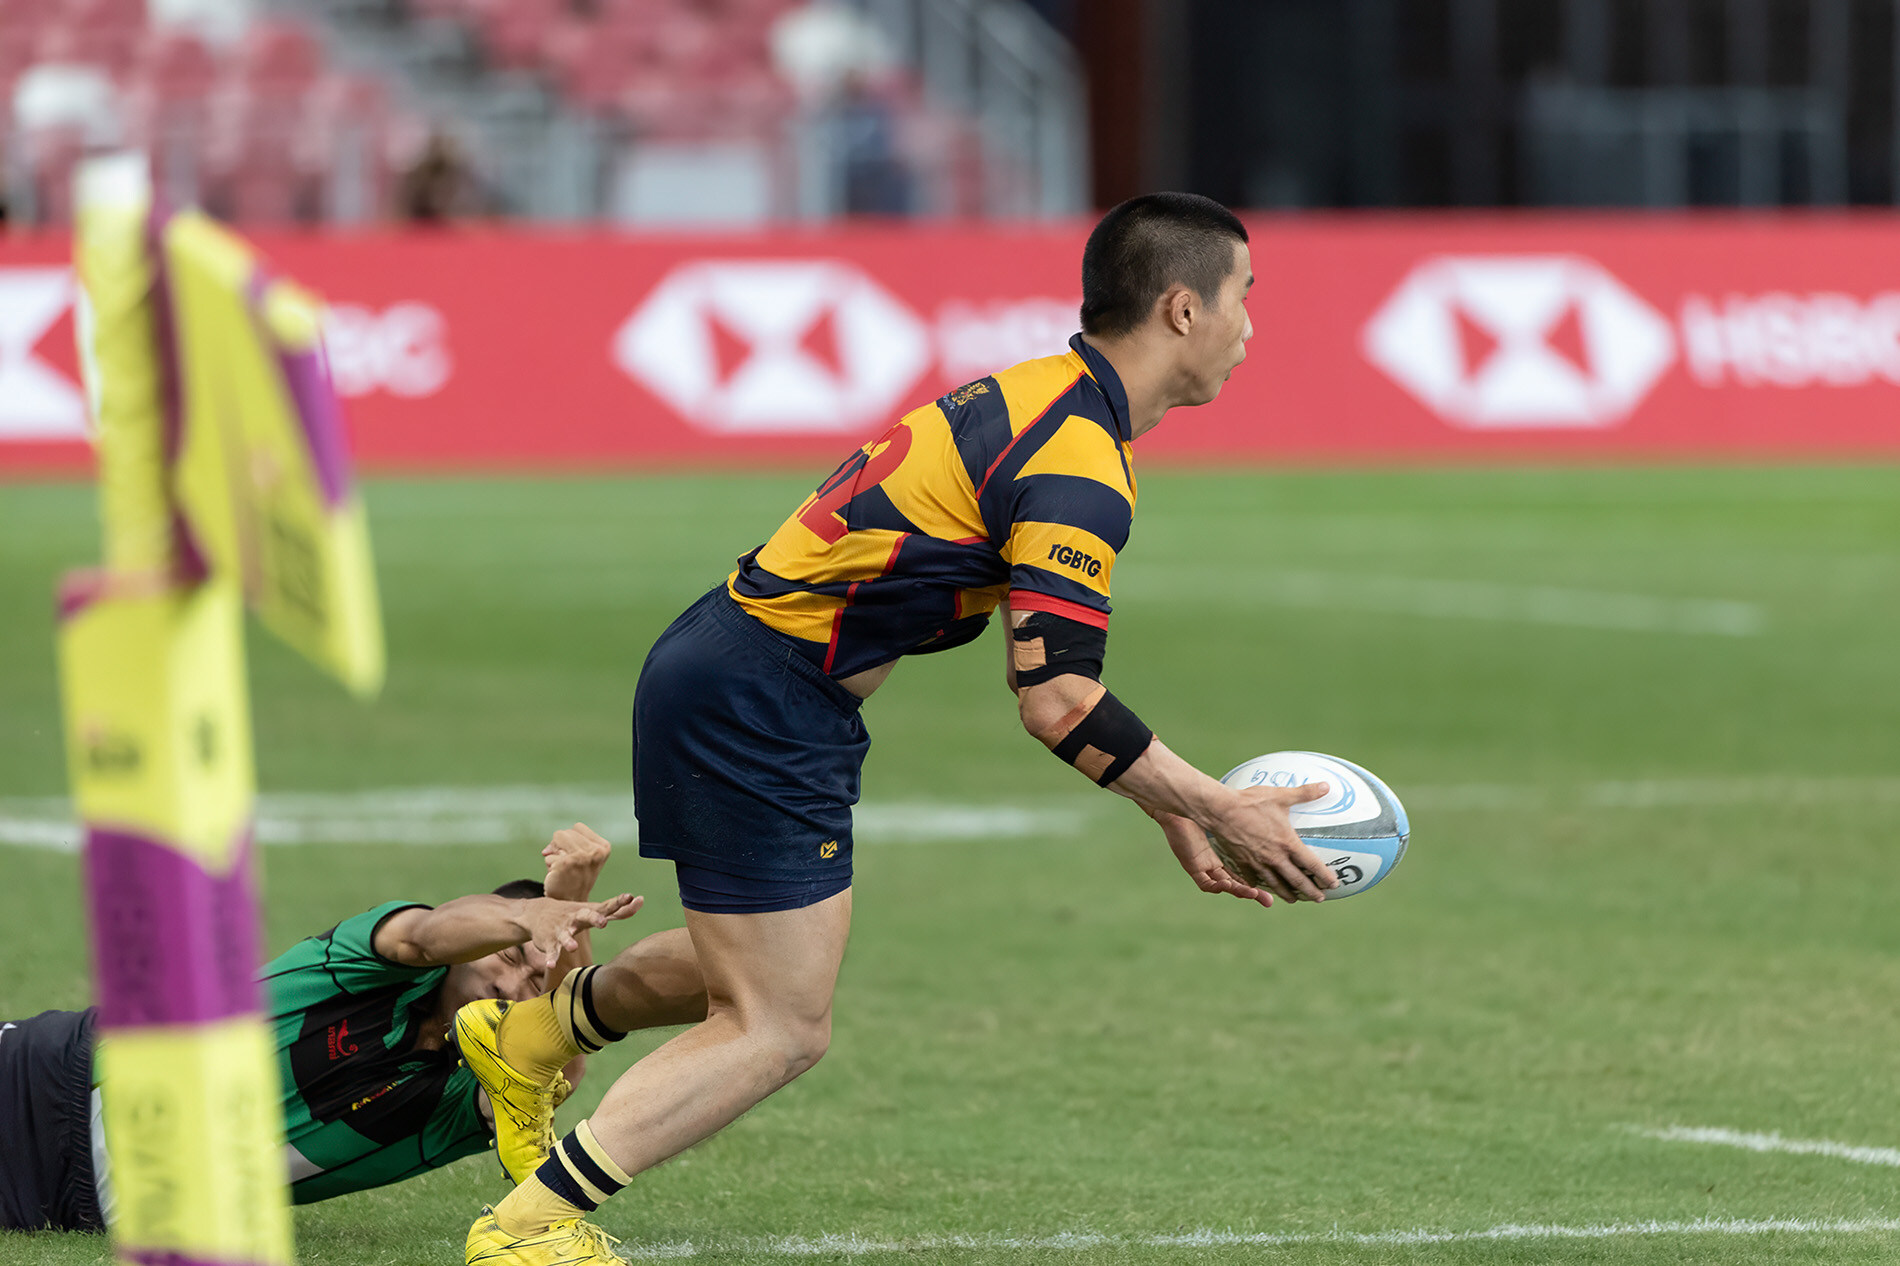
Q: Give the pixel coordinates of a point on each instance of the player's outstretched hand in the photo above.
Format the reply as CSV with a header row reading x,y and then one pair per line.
x,y
552,924
1201,862
1263,849
575,856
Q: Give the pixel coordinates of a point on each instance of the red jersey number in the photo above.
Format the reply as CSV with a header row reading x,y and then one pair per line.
x,y
862,470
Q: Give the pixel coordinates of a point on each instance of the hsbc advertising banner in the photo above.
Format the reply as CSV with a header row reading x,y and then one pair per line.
x,y
1377,338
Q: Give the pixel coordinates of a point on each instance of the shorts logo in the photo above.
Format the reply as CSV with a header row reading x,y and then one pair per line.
x,y
1075,558
337,1041
828,849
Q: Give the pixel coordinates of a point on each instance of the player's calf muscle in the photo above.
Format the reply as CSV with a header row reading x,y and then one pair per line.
x,y
652,983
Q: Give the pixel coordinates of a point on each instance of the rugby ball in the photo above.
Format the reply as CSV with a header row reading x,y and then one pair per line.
x,y
1359,828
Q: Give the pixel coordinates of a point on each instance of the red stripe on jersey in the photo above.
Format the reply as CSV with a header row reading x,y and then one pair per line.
x,y
1026,430
895,548
837,625
1024,600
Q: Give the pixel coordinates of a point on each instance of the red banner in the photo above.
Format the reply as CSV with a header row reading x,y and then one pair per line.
x,y
1378,337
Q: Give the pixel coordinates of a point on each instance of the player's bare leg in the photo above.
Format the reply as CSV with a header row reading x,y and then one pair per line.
x,y
769,983
769,980
653,983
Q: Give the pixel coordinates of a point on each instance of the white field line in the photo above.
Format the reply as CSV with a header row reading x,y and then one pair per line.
x,y
1775,1143
507,815
1450,599
1658,793
858,1246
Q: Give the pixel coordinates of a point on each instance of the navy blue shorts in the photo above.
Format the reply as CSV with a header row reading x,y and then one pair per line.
x,y
746,762
46,1175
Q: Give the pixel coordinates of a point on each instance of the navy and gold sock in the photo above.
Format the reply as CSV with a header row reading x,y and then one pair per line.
x,y
571,1183
575,1012
538,1037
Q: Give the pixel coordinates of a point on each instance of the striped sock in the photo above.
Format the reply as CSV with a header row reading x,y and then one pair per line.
x,y
572,1182
574,1011
538,1037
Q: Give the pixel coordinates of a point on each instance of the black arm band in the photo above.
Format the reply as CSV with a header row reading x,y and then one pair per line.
x,y
1106,741
1047,646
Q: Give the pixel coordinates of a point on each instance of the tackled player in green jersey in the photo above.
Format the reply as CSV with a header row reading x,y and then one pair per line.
x,y
374,1091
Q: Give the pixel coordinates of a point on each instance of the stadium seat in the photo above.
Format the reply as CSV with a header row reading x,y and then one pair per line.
x,y
279,56
109,48
121,15
175,66
50,159
452,10
513,31
593,62
26,15
342,142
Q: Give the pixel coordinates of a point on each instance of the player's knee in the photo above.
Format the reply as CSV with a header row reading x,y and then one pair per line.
x,y
806,1042
791,1042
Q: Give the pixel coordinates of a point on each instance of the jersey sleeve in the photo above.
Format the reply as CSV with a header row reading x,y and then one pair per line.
x,y
346,956
1065,530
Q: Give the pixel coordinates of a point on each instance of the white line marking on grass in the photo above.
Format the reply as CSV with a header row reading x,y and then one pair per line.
x,y
503,815
858,1246
1657,793
510,815
1774,1143
1455,599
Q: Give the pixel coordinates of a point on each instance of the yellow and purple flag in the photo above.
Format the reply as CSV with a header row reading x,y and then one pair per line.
x,y
224,483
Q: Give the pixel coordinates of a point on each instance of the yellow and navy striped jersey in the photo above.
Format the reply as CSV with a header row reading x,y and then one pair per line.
x,y
1020,484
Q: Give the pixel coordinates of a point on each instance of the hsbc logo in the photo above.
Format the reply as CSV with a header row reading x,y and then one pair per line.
x,y
402,349
774,346
1501,342
37,400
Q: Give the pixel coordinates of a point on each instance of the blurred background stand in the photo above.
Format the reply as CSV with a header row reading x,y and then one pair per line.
x,y
727,113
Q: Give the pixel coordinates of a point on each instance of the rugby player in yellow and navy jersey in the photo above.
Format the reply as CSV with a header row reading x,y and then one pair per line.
x,y
1014,493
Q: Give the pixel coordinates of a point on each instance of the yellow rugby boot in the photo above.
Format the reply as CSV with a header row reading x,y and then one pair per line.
x,y
523,1107
572,1243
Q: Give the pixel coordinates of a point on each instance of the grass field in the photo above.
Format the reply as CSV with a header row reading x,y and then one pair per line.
x,y
1645,721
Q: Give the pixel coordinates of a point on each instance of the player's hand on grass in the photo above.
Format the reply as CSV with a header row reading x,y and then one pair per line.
x,y
1262,849
552,925
1200,861
575,857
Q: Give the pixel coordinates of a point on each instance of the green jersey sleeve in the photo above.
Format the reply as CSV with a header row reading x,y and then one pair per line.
x,y
345,956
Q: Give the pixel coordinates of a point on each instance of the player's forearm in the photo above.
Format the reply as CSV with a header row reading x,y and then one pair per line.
x,y
465,929
1157,780
1161,782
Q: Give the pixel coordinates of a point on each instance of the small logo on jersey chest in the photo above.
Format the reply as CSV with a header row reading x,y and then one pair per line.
x,y
337,1041
968,392
1071,557
828,849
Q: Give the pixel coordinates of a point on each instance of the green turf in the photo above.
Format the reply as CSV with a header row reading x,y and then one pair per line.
x,y
1048,1035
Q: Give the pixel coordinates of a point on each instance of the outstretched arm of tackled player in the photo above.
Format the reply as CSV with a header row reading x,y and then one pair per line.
x,y
468,928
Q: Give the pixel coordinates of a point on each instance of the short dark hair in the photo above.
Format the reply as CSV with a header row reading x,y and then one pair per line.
x,y
1148,244
522,889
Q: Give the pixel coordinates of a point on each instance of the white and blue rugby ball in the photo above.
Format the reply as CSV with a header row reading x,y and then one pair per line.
x,y
1359,829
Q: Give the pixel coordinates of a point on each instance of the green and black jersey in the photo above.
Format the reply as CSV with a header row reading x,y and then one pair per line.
x,y
362,1106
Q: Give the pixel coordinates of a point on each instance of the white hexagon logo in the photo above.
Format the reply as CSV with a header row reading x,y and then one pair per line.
x,y
1500,342
774,346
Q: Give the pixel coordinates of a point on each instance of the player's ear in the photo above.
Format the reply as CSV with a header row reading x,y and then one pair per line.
x,y
1180,309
